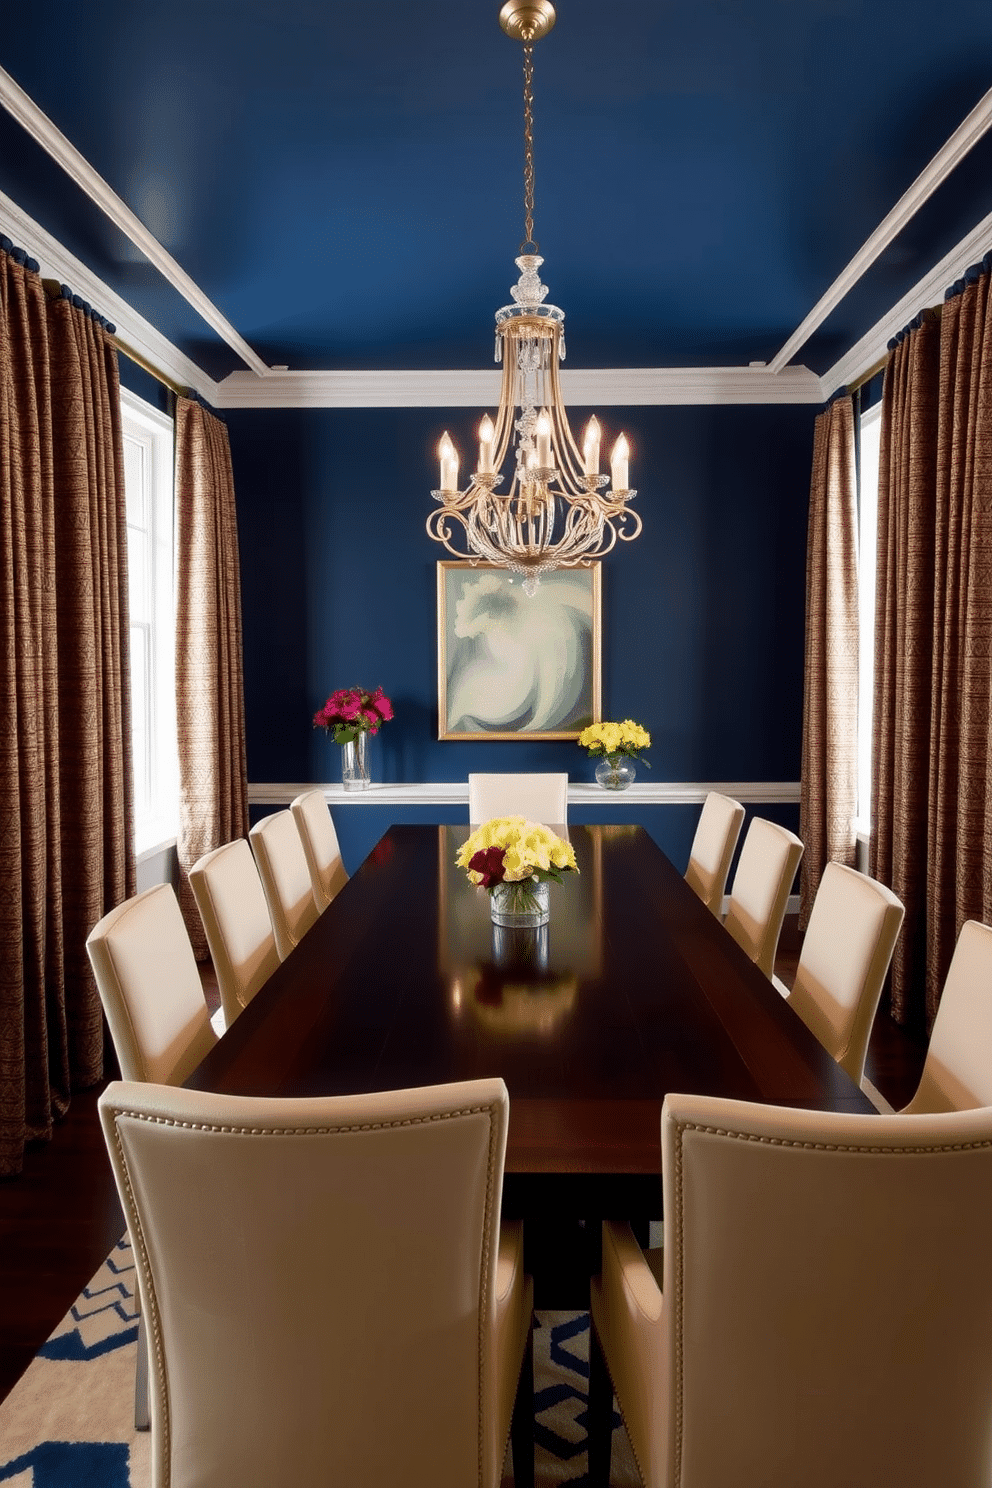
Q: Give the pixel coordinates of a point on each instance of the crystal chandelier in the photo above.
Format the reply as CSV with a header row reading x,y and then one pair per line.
x,y
556,512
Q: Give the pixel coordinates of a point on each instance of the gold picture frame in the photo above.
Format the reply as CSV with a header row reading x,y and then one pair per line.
x,y
517,666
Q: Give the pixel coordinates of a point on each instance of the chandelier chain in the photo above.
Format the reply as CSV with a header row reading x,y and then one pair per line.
x,y
528,146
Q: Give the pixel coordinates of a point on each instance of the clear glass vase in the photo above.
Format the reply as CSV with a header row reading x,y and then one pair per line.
x,y
615,772
520,904
520,950
355,763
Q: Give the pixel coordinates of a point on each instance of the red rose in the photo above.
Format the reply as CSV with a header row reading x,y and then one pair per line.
x,y
489,862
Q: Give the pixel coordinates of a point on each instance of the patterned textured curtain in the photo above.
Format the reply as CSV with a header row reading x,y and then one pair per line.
x,y
210,710
828,798
959,867
904,642
66,849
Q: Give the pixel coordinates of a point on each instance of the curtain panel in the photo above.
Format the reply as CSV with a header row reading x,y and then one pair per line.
x,y
828,796
959,866
907,493
66,847
210,710
931,790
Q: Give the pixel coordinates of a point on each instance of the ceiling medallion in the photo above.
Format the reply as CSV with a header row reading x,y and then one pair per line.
x,y
557,511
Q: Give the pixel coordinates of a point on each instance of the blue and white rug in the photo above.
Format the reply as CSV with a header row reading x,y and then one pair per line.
x,y
561,1399
69,1421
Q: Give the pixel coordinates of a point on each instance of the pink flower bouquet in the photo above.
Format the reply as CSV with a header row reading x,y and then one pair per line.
x,y
352,711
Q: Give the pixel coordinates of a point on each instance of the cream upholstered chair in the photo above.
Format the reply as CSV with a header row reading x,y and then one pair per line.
x,y
152,994
333,1297
847,950
150,988
540,798
717,831
820,1314
766,869
228,894
320,846
282,867
957,1073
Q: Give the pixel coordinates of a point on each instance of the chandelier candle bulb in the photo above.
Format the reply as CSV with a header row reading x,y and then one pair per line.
x,y
619,463
590,447
448,456
544,440
486,436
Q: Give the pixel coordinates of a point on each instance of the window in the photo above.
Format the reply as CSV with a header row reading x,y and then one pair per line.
x,y
871,429
148,476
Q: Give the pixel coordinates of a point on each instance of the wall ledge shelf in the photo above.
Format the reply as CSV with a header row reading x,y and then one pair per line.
x,y
580,793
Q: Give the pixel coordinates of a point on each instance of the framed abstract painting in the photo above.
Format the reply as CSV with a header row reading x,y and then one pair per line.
x,y
512,665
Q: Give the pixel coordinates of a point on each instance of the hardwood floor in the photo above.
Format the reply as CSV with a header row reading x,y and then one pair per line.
x,y
61,1216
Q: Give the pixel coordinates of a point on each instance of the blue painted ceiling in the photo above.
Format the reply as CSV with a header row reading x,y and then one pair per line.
x,y
345,181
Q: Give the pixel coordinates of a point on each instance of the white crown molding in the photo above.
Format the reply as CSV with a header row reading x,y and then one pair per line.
x,y
58,263
601,387
929,290
265,388
455,793
64,153
953,152
480,389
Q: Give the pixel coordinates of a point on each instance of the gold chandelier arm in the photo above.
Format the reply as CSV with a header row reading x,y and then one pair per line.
x,y
570,461
503,432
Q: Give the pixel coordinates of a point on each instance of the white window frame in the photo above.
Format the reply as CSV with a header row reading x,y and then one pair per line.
x,y
149,438
870,433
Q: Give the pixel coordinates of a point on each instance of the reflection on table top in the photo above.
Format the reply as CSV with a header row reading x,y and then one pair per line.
x,y
632,990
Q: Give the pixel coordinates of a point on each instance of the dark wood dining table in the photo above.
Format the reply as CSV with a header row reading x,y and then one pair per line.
x,y
633,989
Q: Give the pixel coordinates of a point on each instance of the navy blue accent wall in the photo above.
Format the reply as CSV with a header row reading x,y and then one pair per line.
x,y
703,616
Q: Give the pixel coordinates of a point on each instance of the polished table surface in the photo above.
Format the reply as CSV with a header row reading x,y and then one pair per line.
x,y
634,990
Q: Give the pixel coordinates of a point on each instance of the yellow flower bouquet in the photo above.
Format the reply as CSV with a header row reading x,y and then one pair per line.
x,y
514,859
616,742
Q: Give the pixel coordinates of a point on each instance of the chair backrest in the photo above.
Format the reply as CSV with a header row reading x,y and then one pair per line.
x,y
228,894
766,869
825,1283
717,831
309,1264
150,988
320,846
282,867
957,1073
852,932
540,798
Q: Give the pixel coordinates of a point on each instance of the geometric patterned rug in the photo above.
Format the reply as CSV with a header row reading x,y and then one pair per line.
x,y
561,1397
69,1420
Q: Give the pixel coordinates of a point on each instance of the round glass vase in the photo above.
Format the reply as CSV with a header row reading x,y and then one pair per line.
x,y
616,772
355,763
517,905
